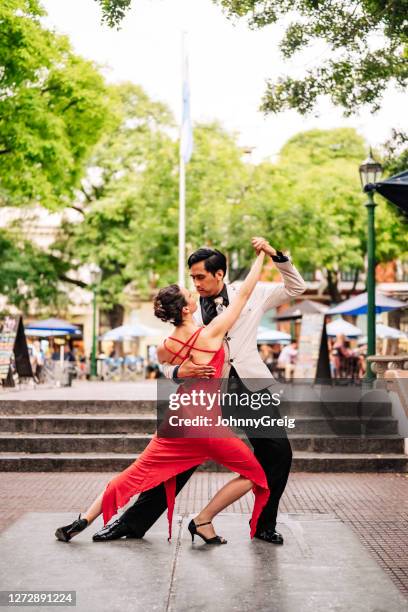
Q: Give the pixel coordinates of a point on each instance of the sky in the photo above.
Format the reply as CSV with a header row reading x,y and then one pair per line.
x,y
229,65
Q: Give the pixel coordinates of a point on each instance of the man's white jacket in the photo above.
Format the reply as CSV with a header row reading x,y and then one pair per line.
x,y
240,345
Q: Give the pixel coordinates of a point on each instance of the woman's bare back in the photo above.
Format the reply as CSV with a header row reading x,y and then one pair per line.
x,y
204,346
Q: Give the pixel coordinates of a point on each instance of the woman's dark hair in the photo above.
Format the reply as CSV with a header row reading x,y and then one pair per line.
x,y
169,303
213,260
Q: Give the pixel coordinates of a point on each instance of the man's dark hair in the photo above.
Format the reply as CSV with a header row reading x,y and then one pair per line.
x,y
213,260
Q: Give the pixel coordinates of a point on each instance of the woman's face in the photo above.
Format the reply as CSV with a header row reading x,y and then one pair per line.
x,y
190,299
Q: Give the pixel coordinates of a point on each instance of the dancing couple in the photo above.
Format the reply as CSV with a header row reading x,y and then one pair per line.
x,y
213,340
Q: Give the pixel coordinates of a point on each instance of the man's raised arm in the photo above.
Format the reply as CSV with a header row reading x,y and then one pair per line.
x,y
293,284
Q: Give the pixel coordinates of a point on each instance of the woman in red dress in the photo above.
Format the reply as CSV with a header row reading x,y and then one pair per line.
x,y
165,457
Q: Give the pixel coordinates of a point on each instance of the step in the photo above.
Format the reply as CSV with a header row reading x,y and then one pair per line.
x,y
116,462
336,409
124,423
136,442
38,407
97,407
79,423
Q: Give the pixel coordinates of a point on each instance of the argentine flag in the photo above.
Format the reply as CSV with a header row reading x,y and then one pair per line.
x,y
186,139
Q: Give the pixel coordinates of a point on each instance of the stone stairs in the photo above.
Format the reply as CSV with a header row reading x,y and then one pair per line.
x,y
107,436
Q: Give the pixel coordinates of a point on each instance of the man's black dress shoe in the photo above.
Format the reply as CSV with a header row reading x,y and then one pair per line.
x,y
114,531
269,535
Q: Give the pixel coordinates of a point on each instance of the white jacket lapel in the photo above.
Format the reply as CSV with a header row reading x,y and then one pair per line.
x,y
231,291
198,317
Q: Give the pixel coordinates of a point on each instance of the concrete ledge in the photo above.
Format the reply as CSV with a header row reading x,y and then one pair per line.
x,y
116,462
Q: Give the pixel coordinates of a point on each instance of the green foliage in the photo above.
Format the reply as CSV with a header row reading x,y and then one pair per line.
x,y
396,153
130,197
317,207
125,195
351,72
27,272
53,109
311,203
66,137
114,10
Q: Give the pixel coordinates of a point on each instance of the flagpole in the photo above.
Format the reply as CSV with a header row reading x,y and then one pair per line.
x,y
186,149
182,179
182,222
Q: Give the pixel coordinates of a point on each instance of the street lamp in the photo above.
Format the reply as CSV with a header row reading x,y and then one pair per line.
x,y
95,274
370,173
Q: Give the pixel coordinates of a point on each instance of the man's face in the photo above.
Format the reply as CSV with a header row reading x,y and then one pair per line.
x,y
206,283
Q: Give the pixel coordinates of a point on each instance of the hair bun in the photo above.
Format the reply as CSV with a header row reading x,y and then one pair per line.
x,y
159,309
168,304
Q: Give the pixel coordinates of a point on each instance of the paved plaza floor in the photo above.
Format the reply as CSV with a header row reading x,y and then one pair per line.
x,y
84,390
345,548
321,567
346,540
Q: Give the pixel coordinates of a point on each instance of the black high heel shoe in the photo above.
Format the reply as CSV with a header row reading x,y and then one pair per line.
x,y
64,534
192,527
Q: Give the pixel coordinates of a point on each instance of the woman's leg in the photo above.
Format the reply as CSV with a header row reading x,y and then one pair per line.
x,y
94,510
66,533
234,454
230,492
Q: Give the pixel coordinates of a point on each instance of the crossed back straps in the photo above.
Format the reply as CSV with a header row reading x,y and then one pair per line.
x,y
189,344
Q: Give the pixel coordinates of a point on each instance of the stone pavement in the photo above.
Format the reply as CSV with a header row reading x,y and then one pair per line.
x,y
322,567
373,507
84,390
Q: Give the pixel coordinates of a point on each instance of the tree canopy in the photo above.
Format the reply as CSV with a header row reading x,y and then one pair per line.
x,y
129,198
70,141
53,109
309,202
365,48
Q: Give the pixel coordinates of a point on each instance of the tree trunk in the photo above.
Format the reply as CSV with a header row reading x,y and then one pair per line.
x,y
115,315
355,281
332,286
114,318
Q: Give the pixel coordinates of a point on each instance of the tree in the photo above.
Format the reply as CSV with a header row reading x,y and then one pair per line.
x,y
352,71
114,10
28,273
129,200
112,197
312,204
396,153
364,42
53,109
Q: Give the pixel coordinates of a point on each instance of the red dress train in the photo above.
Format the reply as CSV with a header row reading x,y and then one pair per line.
x,y
164,458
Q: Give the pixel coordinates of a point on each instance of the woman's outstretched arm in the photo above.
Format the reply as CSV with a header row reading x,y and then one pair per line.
x,y
221,324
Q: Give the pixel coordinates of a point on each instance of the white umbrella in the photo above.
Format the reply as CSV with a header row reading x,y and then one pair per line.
x,y
134,330
384,331
53,327
358,304
340,326
271,336
42,333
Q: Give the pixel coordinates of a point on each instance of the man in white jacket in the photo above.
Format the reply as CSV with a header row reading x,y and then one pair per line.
x,y
242,363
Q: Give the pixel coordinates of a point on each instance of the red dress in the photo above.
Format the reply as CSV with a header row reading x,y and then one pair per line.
x,y
164,458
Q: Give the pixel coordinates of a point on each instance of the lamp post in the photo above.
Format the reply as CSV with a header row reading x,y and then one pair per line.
x,y
95,274
370,173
